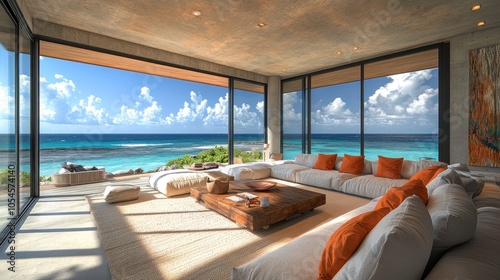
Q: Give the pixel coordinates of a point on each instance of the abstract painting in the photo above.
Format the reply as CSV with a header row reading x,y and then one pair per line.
x,y
484,107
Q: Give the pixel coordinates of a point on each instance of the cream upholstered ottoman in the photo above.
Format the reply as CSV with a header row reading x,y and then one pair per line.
x,y
176,182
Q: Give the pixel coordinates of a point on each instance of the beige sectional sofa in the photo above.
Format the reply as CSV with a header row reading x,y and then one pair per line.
x,y
367,184
461,220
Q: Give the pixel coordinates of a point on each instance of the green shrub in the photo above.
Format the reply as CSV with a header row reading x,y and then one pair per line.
x,y
4,177
217,154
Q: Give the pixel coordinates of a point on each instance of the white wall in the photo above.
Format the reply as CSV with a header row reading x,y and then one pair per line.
x,y
459,90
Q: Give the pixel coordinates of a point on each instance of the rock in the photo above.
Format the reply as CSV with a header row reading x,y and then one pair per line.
x,y
109,175
163,168
174,166
123,172
138,171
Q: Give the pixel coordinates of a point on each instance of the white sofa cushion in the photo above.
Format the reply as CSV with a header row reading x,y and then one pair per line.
x,y
370,185
247,171
397,248
298,259
316,177
479,257
453,216
287,171
306,159
446,177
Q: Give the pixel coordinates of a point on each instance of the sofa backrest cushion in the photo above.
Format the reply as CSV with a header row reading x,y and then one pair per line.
x,y
346,240
325,162
389,167
352,164
397,247
396,195
454,218
306,159
446,177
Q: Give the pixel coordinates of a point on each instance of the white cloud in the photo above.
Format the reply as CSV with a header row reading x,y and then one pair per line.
x,y
403,99
64,88
7,103
290,101
145,95
88,111
335,113
218,114
260,107
246,120
193,110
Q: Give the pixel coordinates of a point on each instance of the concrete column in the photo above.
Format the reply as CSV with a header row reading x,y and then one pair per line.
x,y
273,114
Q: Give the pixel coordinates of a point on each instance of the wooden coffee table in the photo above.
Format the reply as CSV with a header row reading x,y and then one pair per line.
x,y
284,202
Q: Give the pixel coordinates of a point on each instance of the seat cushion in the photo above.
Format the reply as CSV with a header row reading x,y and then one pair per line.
x,y
119,193
370,186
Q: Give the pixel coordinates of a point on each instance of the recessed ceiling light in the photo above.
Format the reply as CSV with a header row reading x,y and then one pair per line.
x,y
261,24
476,7
338,52
196,13
480,23
354,48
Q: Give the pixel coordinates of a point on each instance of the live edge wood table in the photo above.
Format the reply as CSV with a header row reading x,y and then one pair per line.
x,y
284,202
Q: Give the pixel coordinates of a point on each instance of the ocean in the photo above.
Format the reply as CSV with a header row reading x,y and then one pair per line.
x,y
149,151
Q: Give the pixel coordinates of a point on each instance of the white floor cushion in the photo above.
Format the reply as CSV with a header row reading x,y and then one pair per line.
x,y
119,193
176,182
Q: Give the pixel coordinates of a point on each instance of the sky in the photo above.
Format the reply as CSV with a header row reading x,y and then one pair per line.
x,y
402,103
82,98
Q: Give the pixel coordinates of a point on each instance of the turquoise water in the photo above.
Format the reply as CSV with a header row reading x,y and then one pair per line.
x,y
149,151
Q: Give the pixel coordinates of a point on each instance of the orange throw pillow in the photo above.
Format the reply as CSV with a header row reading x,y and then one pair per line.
x,y
352,164
325,162
346,240
389,167
426,174
396,195
437,173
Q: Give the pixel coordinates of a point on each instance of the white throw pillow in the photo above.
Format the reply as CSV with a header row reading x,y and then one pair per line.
x,y
397,248
446,177
454,218
306,159
64,171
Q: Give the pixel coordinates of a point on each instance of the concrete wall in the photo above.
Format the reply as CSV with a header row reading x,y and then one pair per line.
x,y
274,114
459,90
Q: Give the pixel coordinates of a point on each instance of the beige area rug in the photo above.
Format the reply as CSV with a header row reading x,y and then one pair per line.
x,y
177,238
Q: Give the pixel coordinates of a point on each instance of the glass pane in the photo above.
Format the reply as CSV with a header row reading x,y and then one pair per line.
x,y
24,117
123,120
335,103
248,122
292,118
7,119
401,115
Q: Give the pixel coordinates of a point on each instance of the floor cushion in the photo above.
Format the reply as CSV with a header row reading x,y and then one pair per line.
x,y
119,193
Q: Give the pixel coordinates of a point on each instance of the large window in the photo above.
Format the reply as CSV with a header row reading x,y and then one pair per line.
x,y
401,107
249,121
8,147
335,103
387,106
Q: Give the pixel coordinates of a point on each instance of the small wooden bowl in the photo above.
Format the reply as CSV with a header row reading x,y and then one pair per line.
x,y
260,185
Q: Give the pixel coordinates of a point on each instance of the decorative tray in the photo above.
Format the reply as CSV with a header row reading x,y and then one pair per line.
x,y
260,185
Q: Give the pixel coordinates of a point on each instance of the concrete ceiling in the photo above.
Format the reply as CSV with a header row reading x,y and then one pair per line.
x,y
298,37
